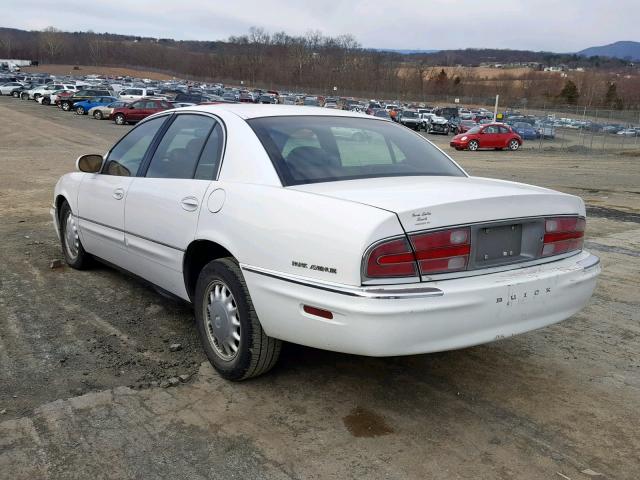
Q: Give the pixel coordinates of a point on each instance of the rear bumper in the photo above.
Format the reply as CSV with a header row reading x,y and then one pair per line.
x,y
437,316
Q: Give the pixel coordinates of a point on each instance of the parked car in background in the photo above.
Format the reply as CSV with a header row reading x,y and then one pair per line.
x,y
67,103
437,259
525,130
136,93
411,119
382,113
101,112
545,130
138,110
439,125
628,132
82,107
37,92
496,135
311,102
9,87
466,125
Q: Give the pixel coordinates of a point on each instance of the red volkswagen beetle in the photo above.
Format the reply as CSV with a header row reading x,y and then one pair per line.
x,y
493,135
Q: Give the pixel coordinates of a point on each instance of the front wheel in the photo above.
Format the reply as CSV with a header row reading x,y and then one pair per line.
x,y
514,145
80,111
46,101
229,329
74,253
15,94
66,106
119,119
97,115
473,145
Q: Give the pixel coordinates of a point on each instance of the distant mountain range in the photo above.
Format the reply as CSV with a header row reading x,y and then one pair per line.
x,y
625,50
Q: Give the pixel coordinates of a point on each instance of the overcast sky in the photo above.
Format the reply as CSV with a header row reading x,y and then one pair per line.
x,y
553,25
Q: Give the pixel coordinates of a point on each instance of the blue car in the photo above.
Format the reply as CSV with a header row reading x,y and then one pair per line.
x,y
84,106
525,130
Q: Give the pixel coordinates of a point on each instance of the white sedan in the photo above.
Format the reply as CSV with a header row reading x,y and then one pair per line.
x,y
325,228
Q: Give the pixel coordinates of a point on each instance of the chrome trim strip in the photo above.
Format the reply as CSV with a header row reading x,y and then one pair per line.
x,y
589,262
378,293
130,233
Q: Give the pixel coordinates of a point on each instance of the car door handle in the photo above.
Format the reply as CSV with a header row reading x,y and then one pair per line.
x,y
189,203
118,193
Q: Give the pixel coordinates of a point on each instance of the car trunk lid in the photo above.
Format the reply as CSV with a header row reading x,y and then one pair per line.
x,y
423,203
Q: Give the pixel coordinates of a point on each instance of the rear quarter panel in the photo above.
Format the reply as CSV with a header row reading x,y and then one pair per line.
x,y
289,231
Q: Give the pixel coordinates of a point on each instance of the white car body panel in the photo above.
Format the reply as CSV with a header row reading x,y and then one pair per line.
x,y
433,202
304,245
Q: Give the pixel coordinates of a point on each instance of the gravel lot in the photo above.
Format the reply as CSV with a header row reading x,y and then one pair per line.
x,y
85,357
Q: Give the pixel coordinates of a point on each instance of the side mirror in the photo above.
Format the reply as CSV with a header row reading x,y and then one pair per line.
x,y
90,163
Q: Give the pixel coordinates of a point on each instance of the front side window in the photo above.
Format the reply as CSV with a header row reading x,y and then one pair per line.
x,y
180,148
125,158
311,149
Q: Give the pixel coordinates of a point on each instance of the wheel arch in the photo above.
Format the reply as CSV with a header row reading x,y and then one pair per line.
x,y
196,256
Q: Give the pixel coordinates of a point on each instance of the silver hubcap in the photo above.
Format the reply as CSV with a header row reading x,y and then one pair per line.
x,y
119,120
71,238
473,146
222,320
514,145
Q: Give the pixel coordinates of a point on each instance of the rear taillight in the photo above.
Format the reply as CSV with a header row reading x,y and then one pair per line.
x,y
562,235
443,251
437,252
392,259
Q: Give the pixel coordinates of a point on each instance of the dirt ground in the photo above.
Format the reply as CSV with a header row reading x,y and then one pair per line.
x,y
95,70
86,357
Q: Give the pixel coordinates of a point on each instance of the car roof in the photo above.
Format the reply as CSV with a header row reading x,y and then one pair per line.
x,y
250,110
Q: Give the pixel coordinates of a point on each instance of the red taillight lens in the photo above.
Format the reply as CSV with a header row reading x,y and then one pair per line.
x,y
444,251
562,235
392,259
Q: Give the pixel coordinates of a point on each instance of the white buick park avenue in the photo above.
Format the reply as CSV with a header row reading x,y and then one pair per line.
x,y
324,228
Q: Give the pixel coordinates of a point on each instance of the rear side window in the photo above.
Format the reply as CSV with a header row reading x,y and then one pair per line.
x,y
125,158
180,148
311,149
211,155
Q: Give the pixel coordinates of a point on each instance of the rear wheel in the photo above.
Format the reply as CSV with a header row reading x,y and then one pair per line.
x,y
229,329
119,119
80,111
66,106
36,96
97,115
24,96
473,145
46,101
514,144
74,253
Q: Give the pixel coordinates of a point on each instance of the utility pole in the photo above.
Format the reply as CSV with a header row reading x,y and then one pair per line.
x,y
495,109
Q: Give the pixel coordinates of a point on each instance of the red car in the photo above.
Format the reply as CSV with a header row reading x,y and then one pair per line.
x,y
466,125
493,135
136,111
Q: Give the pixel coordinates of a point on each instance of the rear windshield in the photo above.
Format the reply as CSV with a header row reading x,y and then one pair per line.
x,y
312,149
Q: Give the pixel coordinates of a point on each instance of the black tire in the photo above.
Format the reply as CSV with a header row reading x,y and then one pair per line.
x,y
119,119
98,115
514,145
80,111
46,101
473,145
24,96
66,106
256,352
76,257
36,96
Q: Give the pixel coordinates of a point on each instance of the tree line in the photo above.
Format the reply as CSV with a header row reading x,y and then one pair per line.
x,y
317,63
